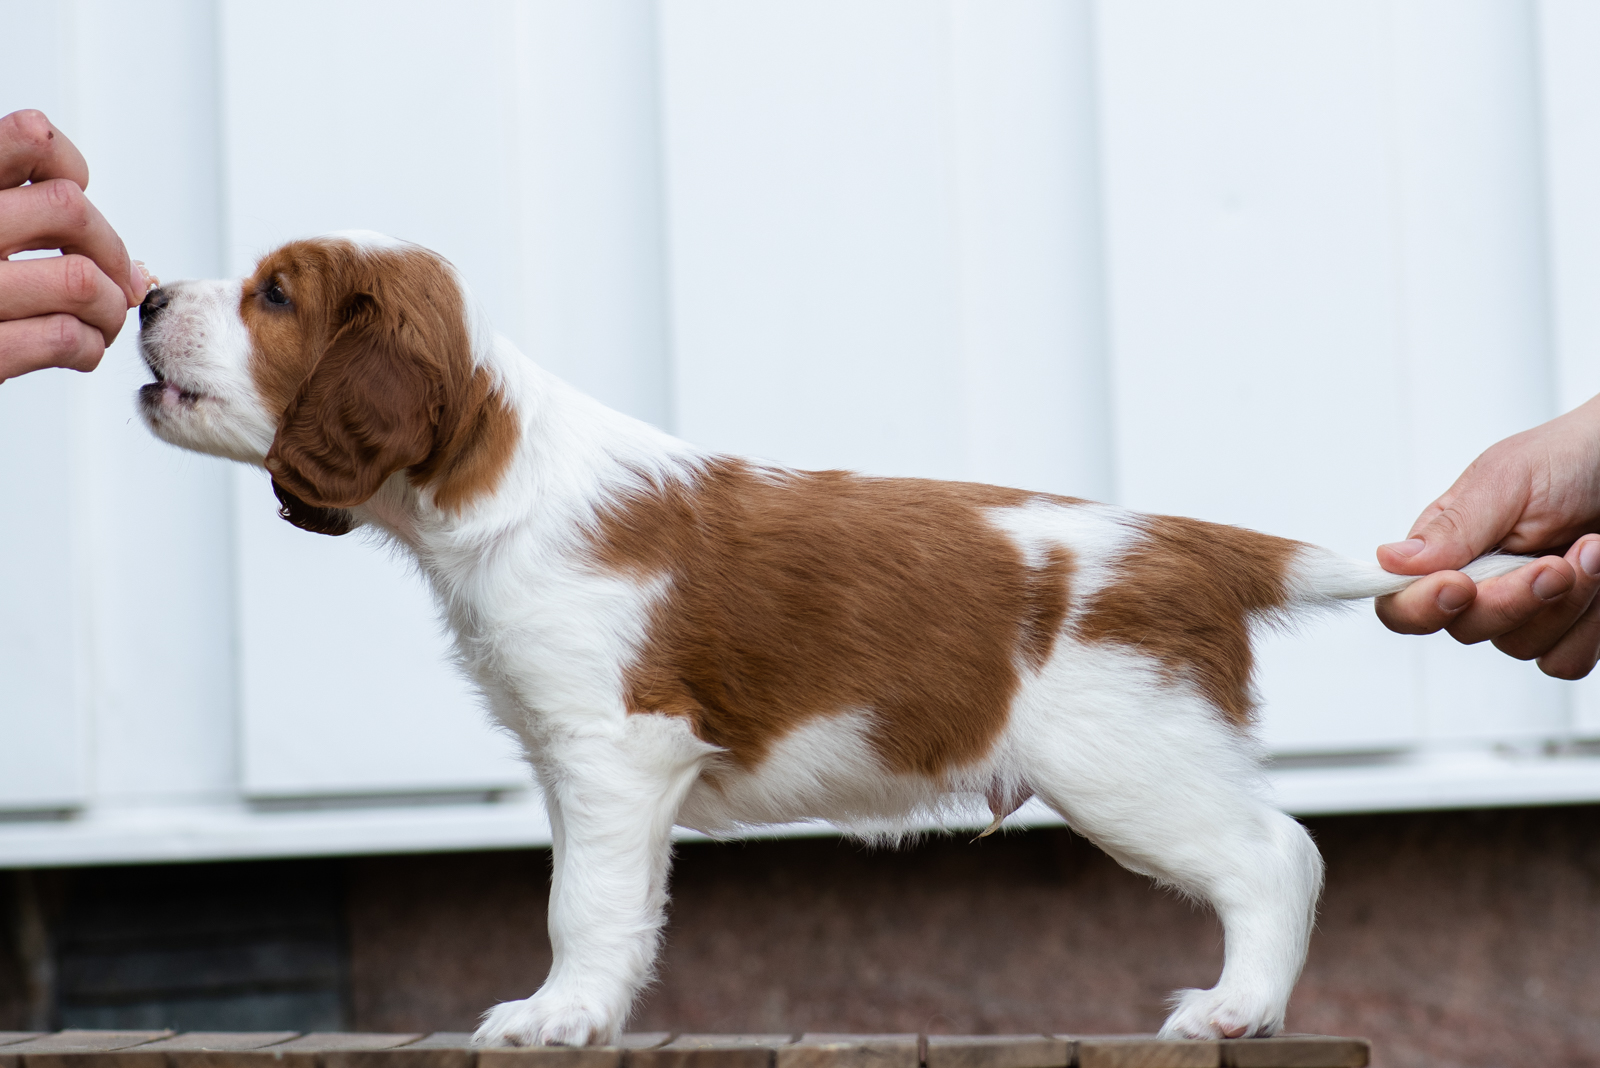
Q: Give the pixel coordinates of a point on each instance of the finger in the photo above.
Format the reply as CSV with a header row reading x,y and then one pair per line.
x,y
1471,518
1503,604
48,341
1575,655
56,215
1542,633
1427,605
141,278
33,150
71,284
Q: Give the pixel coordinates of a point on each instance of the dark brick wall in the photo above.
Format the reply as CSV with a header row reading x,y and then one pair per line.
x,y
1461,938
1450,939
206,947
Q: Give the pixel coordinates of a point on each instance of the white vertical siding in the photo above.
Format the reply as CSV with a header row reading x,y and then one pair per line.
x,y
403,124
1034,372
811,236
1253,302
1289,266
1568,41
1474,318
592,285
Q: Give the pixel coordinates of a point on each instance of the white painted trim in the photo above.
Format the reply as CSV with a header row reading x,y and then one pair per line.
x,y
1489,778
1482,778
196,832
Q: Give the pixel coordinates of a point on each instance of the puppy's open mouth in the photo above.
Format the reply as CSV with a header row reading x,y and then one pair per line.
x,y
164,394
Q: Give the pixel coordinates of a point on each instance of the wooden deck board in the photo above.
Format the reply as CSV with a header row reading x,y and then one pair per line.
x,y
852,1051
1146,1051
287,1049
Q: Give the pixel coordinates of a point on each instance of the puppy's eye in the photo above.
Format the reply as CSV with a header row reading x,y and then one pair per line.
x,y
276,295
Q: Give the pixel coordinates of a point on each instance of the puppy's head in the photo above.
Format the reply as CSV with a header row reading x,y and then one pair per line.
x,y
339,362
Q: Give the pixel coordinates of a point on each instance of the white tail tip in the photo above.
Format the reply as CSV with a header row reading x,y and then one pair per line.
x,y
1318,576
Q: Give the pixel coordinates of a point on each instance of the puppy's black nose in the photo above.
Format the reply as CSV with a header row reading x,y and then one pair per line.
x,y
152,304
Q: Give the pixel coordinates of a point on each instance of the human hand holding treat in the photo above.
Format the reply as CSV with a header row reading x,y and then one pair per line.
x,y
56,311
1533,491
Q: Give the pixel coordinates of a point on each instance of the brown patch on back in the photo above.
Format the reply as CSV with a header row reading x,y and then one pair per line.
x,y
1185,595
370,371
810,594
1046,606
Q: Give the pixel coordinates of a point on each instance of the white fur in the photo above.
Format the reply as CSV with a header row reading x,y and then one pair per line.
x,y
200,346
1136,760
1320,577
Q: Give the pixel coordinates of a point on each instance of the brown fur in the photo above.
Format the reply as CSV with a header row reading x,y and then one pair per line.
x,y
800,595
370,372
1185,595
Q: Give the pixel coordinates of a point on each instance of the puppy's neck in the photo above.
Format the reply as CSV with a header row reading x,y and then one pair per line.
x,y
573,455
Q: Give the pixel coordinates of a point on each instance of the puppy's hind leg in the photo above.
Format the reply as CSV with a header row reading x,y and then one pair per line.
x,y
612,803
1157,779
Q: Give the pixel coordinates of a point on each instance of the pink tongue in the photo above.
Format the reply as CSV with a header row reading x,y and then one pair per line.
x,y
170,394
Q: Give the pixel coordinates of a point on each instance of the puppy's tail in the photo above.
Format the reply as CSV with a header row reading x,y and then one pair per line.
x,y
1317,576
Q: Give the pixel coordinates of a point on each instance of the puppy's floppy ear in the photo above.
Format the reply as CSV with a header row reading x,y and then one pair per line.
x,y
368,409
332,521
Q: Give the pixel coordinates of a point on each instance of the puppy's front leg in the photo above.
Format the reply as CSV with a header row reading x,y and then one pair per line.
x,y
612,803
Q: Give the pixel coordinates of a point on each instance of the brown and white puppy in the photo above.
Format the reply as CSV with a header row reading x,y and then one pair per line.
x,y
683,637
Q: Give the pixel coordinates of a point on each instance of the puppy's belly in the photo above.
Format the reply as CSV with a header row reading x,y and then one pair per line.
x,y
825,769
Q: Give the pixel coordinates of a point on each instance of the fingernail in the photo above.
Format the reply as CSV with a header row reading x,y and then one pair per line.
x,y
1408,548
1454,598
1589,559
1550,584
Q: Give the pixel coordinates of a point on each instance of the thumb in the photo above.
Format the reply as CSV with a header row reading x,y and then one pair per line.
x,y
1470,519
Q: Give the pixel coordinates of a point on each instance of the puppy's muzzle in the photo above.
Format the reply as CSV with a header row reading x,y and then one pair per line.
x,y
154,301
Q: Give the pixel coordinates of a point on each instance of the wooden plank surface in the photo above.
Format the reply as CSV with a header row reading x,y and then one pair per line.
x,y
711,1051
999,1051
1146,1051
568,1056
445,1049
287,1049
80,1049
84,1042
852,1051
219,1041
1296,1051
212,1049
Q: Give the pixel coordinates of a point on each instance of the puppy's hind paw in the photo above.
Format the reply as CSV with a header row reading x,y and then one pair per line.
x,y
1215,1013
545,1021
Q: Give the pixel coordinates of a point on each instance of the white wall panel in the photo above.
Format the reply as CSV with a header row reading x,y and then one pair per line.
x,y
345,685
1032,308
1474,324
44,640
44,644
1569,37
1253,310
161,566
811,232
1569,41
884,237
1289,266
593,270
395,118
345,680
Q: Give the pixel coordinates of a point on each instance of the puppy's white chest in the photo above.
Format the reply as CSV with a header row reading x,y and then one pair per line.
x,y
553,641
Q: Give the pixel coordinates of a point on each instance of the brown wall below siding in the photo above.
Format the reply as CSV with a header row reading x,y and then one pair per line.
x,y
1465,938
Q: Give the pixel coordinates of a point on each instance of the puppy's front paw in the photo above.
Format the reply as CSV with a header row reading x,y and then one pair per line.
x,y
1216,1013
543,1020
